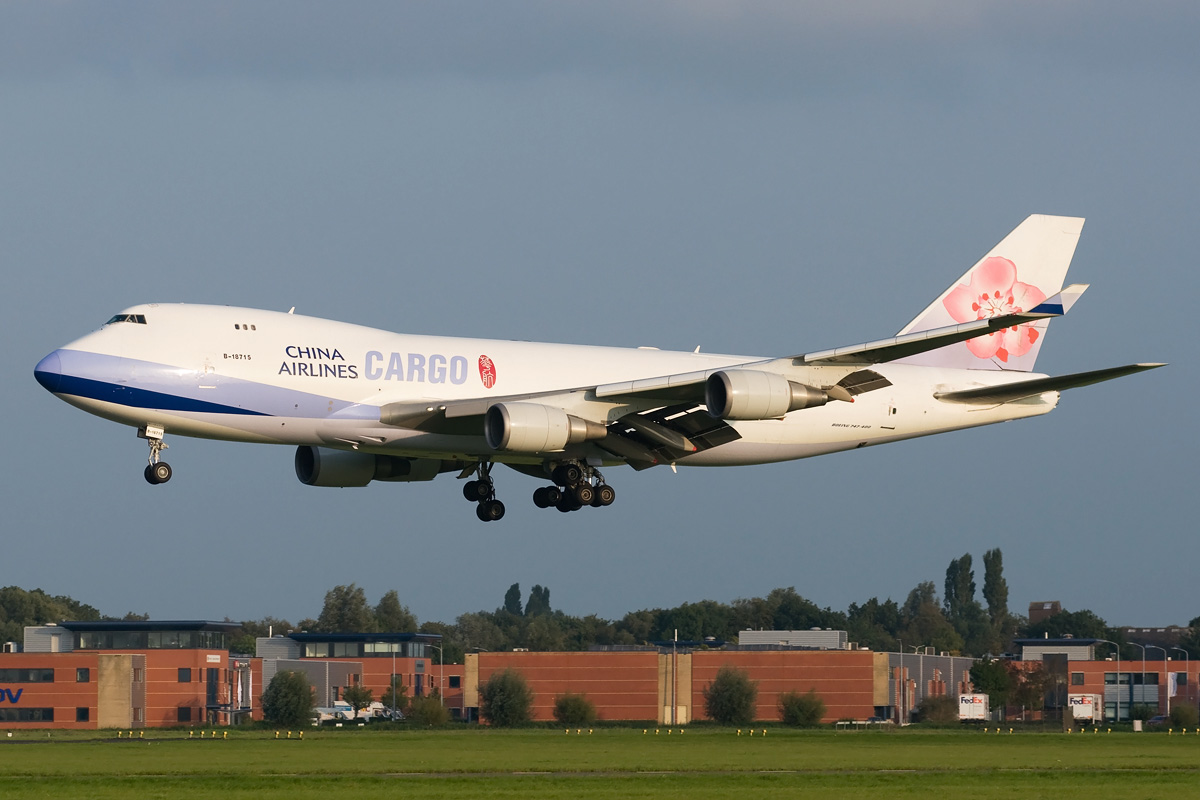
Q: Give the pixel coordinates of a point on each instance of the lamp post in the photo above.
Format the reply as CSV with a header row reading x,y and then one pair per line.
x,y
1118,649
441,670
1135,644
1165,659
900,686
1187,695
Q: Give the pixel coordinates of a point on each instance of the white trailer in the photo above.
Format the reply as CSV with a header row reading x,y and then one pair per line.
x,y
1086,707
973,707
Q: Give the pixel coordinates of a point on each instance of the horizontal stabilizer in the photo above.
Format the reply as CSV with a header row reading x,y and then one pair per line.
x,y
911,344
1007,392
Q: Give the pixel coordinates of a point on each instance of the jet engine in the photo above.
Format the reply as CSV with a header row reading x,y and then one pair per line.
x,y
747,394
534,428
324,466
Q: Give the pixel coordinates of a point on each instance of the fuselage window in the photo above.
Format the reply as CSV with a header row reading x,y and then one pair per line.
x,y
237,327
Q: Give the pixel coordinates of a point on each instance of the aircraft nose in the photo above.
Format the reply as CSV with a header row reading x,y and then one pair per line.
x,y
49,372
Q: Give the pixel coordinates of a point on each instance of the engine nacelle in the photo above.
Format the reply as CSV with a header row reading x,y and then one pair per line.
x,y
324,466
535,428
748,394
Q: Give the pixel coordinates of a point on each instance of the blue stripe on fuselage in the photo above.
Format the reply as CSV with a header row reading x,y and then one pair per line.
x,y
141,398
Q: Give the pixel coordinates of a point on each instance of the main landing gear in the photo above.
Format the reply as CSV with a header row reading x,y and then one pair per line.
x,y
156,471
575,486
483,492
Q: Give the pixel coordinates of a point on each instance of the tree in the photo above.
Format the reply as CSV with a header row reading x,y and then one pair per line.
x,y
392,617
995,588
505,700
730,698
992,678
288,699
801,710
359,697
512,600
1184,715
574,709
1030,680
395,696
960,587
346,611
539,601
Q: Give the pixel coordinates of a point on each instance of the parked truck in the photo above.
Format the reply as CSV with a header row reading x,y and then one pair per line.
x,y
973,708
1086,707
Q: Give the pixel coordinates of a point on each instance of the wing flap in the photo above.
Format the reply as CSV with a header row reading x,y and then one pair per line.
x,y
1008,392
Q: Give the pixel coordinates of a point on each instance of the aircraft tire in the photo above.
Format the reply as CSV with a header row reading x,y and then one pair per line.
x,y
539,497
490,510
605,495
160,472
567,474
584,494
149,475
477,491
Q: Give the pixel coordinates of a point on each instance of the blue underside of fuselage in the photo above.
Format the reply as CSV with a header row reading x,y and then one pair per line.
x,y
133,397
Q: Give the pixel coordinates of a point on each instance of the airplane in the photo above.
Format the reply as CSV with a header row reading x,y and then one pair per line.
x,y
362,404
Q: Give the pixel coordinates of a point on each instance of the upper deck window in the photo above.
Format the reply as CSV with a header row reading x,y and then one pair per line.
x,y
140,319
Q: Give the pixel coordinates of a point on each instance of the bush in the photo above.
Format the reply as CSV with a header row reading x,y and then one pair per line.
x,y
802,710
288,700
359,697
1185,716
729,699
505,700
1142,711
574,709
428,711
940,709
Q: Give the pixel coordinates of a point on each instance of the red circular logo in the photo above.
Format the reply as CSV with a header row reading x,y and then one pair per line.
x,y
487,372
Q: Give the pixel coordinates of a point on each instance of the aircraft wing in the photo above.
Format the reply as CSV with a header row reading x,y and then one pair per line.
x,y
1008,392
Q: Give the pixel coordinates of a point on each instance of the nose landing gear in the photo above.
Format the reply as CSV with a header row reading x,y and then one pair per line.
x,y
156,471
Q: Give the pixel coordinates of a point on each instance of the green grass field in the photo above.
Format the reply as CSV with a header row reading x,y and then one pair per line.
x,y
610,763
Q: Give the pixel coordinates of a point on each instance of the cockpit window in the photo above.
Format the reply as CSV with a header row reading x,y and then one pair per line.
x,y
140,319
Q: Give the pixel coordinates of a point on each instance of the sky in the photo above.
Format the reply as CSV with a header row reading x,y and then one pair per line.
x,y
759,178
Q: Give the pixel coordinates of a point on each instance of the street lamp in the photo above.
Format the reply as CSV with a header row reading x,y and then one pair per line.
x,y
1187,695
441,670
1118,649
1168,689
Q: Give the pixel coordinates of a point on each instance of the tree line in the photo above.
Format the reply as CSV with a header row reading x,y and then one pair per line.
x,y
956,621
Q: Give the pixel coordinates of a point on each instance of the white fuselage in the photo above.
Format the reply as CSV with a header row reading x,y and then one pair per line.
x,y
263,376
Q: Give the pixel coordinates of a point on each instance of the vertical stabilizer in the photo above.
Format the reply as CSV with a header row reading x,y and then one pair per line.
x,y
1028,266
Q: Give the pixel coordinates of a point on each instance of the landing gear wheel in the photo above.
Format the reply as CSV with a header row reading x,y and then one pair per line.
x,y
490,510
157,473
568,503
605,495
584,494
567,474
539,497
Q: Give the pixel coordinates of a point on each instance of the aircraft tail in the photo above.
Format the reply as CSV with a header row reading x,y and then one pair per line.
x,y
1028,266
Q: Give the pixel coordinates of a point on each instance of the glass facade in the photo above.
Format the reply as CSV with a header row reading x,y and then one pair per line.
x,y
26,676
364,649
151,640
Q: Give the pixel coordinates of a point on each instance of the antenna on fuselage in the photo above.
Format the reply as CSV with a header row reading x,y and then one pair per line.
x,y
292,310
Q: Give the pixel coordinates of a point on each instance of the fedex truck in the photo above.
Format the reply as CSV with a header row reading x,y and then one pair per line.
x,y
1086,707
973,707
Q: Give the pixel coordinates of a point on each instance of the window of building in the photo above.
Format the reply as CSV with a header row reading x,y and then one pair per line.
x,y
26,676
1077,679
26,715
82,714
346,650
83,675
455,682
137,714
138,677
316,650
185,674
185,713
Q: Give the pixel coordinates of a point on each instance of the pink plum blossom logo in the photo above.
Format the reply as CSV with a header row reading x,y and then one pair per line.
x,y
993,292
